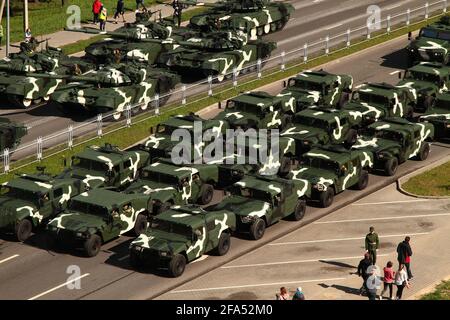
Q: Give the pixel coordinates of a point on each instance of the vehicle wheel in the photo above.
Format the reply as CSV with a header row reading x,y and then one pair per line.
x,y
206,194
92,245
363,180
273,27
140,225
135,261
224,244
424,152
343,100
23,230
177,265
352,136
300,210
257,229
326,197
285,166
391,166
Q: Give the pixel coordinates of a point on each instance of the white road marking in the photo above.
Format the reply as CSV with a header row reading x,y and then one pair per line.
x,y
295,261
389,202
395,72
385,218
333,26
258,285
9,258
345,239
58,287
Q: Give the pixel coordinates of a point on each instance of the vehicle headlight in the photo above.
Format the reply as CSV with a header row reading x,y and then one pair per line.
x,y
306,143
164,253
235,173
319,186
80,234
246,219
448,125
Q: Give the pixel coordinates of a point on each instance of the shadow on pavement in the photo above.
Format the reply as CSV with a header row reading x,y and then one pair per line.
x,y
338,264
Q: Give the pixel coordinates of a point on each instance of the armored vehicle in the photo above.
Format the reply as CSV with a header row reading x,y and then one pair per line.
x,y
10,134
170,185
432,44
319,126
30,201
259,201
312,88
426,80
98,216
181,235
392,141
107,166
377,101
257,110
333,169
439,116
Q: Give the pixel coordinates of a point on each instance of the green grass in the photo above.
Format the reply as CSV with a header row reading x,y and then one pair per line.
x,y
441,292
435,182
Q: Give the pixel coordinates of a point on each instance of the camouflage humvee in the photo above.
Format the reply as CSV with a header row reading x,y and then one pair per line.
x,y
439,116
169,185
432,44
98,216
395,140
182,235
381,100
259,201
11,134
257,110
311,88
106,166
426,80
319,126
30,201
333,169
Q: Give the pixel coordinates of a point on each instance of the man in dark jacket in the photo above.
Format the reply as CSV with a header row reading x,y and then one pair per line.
x,y
364,264
177,12
372,243
404,254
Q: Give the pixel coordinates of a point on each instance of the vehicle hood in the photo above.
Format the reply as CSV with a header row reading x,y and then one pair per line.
x,y
77,222
157,191
162,241
374,145
245,207
302,133
12,209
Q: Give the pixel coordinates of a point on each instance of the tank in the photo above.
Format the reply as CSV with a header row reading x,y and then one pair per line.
x,y
10,134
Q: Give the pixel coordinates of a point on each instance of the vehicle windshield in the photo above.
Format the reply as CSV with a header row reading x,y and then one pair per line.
x,y
160,177
252,193
370,98
244,107
305,85
423,76
88,208
312,122
442,104
435,34
89,164
320,163
171,227
19,194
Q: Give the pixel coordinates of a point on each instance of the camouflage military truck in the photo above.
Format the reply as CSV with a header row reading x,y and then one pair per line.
x,y
30,201
439,116
257,110
333,169
311,88
181,235
170,185
98,216
392,141
106,166
259,201
432,44
10,134
377,101
319,126
426,80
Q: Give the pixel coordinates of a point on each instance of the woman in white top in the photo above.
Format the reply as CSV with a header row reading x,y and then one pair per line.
x,y
401,281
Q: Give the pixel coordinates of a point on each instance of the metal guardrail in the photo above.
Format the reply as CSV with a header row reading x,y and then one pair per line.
x,y
126,118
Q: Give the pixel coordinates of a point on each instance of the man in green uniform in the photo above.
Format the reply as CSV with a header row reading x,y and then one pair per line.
x,y
372,244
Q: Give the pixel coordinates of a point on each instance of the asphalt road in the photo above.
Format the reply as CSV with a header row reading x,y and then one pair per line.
x,y
312,21
33,270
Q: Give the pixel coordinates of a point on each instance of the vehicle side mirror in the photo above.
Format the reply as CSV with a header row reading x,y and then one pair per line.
x,y
219,105
400,75
410,36
64,162
151,130
284,84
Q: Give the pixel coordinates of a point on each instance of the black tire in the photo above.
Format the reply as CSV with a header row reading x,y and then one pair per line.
x,y
363,181
300,210
391,166
177,265
206,193
140,224
135,260
224,244
352,137
285,167
23,230
92,245
424,152
326,198
257,229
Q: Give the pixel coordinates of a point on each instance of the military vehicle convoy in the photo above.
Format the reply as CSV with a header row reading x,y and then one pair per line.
x,y
11,134
392,141
439,116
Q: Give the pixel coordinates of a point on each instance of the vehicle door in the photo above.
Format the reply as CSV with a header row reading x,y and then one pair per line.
x,y
196,186
126,219
278,208
212,235
199,240
127,173
57,202
46,207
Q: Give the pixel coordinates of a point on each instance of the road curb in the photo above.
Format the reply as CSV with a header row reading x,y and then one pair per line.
x,y
428,289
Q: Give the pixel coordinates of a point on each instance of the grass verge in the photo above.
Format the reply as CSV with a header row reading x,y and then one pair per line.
x,y
441,292
435,182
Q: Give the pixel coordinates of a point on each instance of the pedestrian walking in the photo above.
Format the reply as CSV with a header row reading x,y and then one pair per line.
x,y
372,244
120,11
388,280
177,12
96,8
28,35
102,17
139,3
401,281
362,272
404,253
283,295
298,295
1,35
